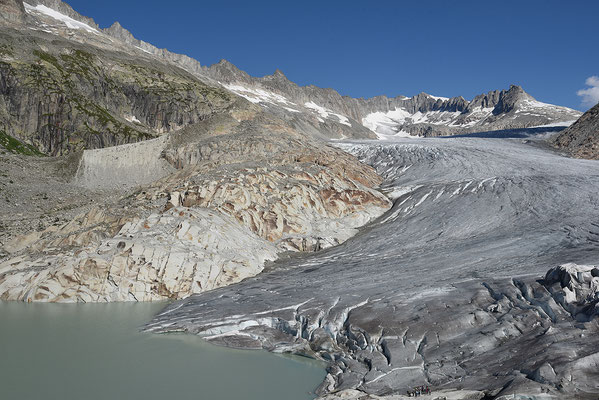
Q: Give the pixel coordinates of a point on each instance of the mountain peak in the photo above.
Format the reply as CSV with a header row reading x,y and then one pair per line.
x,y
278,75
508,99
226,65
117,31
517,90
116,26
226,71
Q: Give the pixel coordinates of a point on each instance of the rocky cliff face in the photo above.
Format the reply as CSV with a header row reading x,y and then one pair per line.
x,y
63,98
582,138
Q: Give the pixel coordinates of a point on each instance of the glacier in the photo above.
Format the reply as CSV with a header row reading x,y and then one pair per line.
x,y
449,288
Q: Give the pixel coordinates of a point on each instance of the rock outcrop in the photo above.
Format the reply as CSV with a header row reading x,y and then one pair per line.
x,y
12,12
234,191
167,255
581,139
303,198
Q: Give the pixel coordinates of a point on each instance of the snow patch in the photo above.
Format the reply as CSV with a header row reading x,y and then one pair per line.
x,y
437,97
258,95
133,119
68,21
326,113
144,50
565,124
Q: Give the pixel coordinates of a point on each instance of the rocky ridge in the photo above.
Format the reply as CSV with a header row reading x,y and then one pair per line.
x,y
421,115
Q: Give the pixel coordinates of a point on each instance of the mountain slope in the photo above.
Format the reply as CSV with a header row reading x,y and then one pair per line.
x,y
102,87
582,138
12,11
64,95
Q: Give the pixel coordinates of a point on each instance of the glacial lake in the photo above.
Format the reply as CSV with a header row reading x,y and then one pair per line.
x,y
95,351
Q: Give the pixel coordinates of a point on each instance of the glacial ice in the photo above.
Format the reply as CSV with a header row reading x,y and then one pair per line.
x,y
449,288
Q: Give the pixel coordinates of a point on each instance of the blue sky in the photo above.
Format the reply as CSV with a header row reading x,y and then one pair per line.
x,y
364,49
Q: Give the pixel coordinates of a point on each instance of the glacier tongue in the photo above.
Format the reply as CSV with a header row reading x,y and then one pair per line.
x,y
445,289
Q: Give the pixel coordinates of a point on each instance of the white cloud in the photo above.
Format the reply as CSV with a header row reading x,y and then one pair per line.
x,y
590,96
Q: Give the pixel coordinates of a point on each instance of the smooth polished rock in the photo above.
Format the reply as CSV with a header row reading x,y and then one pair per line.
x,y
163,256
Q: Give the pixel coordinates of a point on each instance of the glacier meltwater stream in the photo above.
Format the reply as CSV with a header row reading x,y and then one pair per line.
x,y
96,352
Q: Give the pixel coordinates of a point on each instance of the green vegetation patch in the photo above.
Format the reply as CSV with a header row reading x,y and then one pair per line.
x,y
6,50
15,146
49,58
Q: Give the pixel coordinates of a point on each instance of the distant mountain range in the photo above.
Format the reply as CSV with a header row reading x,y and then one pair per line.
x,y
67,84
421,115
